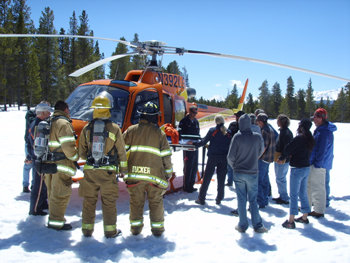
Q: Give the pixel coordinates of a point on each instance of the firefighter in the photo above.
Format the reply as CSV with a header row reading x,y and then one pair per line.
x,y
102,146
149,168
62,143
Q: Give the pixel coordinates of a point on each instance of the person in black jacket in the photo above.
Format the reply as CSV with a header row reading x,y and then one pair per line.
x,y
189,128
281,170
299,150
217,152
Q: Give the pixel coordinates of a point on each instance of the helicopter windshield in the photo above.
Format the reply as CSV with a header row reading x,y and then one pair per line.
x,y
81,99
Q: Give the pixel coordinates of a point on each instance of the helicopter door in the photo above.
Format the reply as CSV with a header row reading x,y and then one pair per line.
x,y
141,98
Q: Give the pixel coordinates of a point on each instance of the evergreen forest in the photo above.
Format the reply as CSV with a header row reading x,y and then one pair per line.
x,y
35,69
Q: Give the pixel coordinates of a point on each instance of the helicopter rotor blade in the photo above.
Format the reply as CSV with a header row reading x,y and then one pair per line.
x,y
98,63
69,36
260,61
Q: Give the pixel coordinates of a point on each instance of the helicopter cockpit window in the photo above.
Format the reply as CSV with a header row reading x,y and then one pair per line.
x,y
81,99
141,98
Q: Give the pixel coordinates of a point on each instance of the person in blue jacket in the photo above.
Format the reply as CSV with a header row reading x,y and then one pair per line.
x,y
321,160
219,140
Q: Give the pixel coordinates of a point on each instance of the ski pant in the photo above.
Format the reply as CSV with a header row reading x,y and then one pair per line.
x,y
104,182
316,189
138,193
190,169
59,191
221,169
38,194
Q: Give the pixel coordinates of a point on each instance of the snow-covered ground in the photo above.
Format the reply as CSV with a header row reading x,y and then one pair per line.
x,y
193,233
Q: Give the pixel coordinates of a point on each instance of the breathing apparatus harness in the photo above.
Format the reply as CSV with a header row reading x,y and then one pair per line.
x,y
44,156
98,136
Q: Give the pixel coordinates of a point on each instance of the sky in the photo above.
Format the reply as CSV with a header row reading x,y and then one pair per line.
x,y
313,34
193,233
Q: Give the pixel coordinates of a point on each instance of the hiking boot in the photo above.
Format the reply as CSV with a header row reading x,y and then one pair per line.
x,y
26,189
234,212
316,215
302,220
218,202
65,227
261,230
38,213
280,201
113,234
288,225
200,202
136,230
87,232
157,232
227,184
239,229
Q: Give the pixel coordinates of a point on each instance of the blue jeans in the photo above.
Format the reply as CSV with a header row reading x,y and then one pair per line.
x,y
327,187
26,171
263,184
298,187
247,189
281,171
229,175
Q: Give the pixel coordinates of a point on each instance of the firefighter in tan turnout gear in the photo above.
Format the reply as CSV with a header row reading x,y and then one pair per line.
x,y
149,168
102,146
62,146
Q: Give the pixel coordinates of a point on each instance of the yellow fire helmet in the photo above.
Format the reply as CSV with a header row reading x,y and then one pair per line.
x,y
102,101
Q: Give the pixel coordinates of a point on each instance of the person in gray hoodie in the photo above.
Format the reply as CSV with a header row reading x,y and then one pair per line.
x,y
245,149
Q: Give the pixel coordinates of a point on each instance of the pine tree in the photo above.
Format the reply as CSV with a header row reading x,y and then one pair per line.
x,y
119,67
251,105
347,99
7,51
34,87
276,98
138,62
173,68
340,108
310,101
48,56
232,100
264,97
184,74
290,99
23,25
301,105
99,73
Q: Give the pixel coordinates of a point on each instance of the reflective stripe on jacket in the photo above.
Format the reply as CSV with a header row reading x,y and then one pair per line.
x,y
149,154
62,140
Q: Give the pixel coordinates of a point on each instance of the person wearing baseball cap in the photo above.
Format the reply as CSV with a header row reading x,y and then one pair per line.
x,y
321,162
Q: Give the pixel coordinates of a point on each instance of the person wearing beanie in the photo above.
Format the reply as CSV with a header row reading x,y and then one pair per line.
x,y
321,161
219,140
299,150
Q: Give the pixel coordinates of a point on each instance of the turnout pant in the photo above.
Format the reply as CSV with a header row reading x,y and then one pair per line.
x,y
59,191
138,194
316,189
106,183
